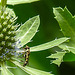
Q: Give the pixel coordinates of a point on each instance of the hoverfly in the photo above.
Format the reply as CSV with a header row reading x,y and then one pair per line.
x,y
26,55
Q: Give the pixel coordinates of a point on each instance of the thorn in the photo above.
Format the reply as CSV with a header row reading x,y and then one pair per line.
x,y
37,31
30,40
56,38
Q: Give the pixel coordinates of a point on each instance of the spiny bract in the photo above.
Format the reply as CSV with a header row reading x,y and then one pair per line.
x,y
7,34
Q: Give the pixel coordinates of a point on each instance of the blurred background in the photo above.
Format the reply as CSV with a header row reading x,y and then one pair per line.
x,y
48,30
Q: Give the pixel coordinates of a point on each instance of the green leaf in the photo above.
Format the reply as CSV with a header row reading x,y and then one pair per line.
x,y
5,71
14,2
65,47
30,70
48,45
72,49
70,52
66,22
27,31
58,56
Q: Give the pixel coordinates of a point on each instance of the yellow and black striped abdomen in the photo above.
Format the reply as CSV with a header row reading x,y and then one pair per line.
x,y
26,55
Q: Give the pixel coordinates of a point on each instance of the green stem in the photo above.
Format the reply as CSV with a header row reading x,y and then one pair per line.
x,y
3,3
2,67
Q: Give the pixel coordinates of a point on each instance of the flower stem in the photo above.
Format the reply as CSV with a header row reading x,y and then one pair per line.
x,y
2,68
3,3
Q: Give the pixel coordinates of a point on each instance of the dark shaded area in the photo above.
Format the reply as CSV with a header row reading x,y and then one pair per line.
x,y
67,68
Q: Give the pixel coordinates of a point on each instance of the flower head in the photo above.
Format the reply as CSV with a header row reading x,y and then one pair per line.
x,y
7,35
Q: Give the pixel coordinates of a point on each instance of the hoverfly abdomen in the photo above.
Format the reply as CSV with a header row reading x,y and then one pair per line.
x,y
26,55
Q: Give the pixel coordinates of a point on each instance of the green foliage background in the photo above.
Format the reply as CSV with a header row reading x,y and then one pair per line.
x,y
48,30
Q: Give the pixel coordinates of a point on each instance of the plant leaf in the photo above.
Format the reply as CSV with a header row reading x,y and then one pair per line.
x,y
48,45
58,56
14,2
5,71
70,54
30,70
66,22
65,47
27,31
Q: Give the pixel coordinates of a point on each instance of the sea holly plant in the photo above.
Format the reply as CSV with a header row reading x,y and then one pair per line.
x,y
14,37
67,24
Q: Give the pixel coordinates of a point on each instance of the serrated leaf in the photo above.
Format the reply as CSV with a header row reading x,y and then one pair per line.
x,y
5,71
65,47
70,54
66,22
72,49
27,31
30,70
48,45
58,56
14,2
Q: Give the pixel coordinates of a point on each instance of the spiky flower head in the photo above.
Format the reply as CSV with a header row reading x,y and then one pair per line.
x,y
7,34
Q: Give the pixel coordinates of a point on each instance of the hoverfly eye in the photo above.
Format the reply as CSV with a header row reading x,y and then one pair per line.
x,y
28,48
25,48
